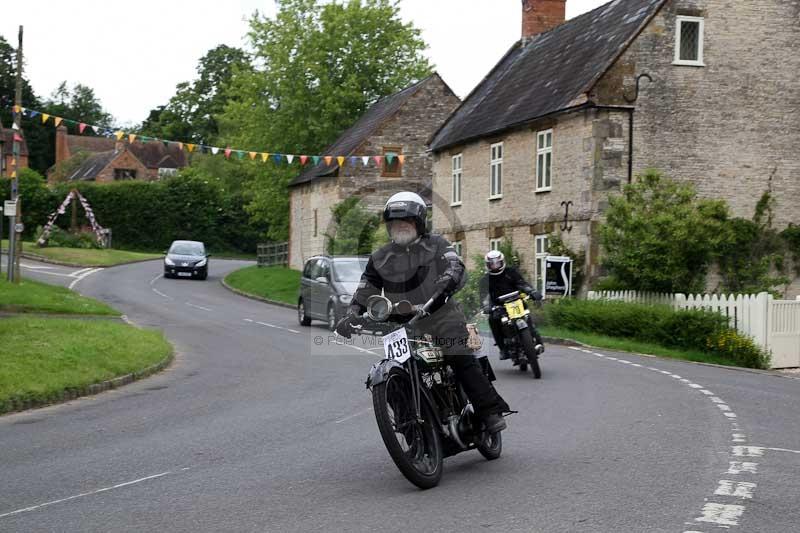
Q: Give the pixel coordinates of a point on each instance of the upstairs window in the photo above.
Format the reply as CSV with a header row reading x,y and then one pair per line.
x,y
689,41
544,160
496,165
455,197
395,168
124,174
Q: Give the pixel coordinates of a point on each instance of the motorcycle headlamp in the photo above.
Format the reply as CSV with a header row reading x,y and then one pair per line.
x,y
378,307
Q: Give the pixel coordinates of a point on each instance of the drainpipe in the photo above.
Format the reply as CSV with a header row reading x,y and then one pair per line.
x,y
630,121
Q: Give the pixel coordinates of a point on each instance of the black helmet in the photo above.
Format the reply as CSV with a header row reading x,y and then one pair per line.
x,y
407,205
495,262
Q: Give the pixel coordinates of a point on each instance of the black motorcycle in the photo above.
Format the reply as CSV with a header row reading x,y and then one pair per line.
x,y
422,412
518,332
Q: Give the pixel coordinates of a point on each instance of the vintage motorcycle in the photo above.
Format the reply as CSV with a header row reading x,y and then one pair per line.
x,y
517,332
422,412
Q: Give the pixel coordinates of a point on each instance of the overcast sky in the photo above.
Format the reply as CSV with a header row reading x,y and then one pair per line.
x,y
134,53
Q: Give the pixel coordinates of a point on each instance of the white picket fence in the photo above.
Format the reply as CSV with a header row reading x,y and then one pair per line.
x,y
772,324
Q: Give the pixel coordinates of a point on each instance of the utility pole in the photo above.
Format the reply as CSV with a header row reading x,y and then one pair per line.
x,y
15,232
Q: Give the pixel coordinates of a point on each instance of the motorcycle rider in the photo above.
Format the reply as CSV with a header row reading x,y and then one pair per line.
x,y
501,279
416,266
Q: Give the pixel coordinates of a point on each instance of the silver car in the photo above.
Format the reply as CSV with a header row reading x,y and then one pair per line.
x,y
327,287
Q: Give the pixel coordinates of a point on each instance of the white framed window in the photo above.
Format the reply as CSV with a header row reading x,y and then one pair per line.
x,y
455,197
457,247
542,245
689,41
494,244
496,166
544,160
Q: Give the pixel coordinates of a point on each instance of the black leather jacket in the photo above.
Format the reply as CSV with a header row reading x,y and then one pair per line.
x,y
425,268
494,286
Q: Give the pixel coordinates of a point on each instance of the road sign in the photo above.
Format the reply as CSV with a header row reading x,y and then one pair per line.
x,y
19,228
558,276
10,208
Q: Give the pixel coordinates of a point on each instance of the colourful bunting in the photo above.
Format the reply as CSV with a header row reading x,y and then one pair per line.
x,y
227,153
190,147
290,158
17,109
328,159
340,160
365,160
252,156
303,159
58,121
34,114
264,156
214,150
131,138
96,130
389,158
316,159
45,116
17,138
81,127
119,135
277,158
240,154
401,158
378,160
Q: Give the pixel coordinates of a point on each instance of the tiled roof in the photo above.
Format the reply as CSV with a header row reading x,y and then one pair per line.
x,y
548,73
360,131
151,154
92,166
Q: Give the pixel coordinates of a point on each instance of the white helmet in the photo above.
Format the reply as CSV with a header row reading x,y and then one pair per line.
x,y
495,262
407,204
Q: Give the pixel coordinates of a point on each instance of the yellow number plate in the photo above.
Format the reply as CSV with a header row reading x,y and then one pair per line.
x,y
515,309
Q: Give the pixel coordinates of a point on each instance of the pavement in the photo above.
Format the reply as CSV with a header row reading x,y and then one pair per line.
x,y
261,424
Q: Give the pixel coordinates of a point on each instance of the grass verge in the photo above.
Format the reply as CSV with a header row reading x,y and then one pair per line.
x,y
40,359
34,297
274,283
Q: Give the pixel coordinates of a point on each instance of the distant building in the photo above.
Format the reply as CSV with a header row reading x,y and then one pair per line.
x,y
7,147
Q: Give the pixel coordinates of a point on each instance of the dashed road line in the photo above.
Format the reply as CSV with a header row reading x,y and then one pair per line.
x,y
198,306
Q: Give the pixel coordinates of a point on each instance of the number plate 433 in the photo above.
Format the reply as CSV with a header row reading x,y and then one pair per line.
x,y
395,345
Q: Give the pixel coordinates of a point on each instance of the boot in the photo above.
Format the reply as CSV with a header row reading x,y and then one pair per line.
x,y
494,423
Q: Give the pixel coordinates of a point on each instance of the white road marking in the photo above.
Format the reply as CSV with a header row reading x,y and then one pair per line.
x,y
723,407
120,485
739,437
730,415
353,416
748,451
737,489
277,327
87,273
77,272
782,450
161,294
35,267
737,467
720,514
716,399
707,392
695,386
198,306
156,278
248,320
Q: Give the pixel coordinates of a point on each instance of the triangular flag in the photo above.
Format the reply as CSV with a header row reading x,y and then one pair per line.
x,y
14,126
17,138
17,109
264,156
328,159
81,127
303,159
340,160
190,147
277,158
215,150
365,160
45,116
96,130
316,159
13,174
389,157
401,158
240,154
290,158
252,155
34,113
58,120
227,152
353,160
131,138
119,135
378,160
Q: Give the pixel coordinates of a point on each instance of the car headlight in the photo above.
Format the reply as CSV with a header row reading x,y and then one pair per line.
x,y
169,261
202,262
345,298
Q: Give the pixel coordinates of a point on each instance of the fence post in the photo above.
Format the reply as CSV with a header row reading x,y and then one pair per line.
x,y
761,317
679,301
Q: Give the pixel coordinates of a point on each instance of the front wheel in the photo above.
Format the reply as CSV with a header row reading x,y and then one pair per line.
x,y
415,447
530,352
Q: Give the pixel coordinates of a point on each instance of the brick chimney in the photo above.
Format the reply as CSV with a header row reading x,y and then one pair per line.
x,y
62,149
541,15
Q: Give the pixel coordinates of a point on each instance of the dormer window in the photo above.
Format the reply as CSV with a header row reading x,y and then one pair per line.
x,y
689,41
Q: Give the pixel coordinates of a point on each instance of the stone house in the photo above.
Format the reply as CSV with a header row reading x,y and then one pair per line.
x,y
112,160
7,150
704,90
398,125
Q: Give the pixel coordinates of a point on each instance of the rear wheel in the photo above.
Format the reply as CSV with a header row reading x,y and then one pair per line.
x,y
530,352
301,314
415,447
491,445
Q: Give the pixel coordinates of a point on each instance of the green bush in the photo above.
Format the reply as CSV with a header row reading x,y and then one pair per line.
x,y
65,239
37,200
693,329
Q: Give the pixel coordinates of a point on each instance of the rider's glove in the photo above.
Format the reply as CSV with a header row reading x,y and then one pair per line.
x,y
345,325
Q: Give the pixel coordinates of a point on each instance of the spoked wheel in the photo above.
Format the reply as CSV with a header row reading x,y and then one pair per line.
x,y
491,445
415,447
530,353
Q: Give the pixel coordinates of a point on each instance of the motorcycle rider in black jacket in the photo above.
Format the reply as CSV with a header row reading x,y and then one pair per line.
x,y
417,266
499,280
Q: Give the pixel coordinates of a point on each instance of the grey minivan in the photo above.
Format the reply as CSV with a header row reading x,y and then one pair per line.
x,y
327,286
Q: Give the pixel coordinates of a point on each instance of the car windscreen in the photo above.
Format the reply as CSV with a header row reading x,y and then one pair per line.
x,y
187,249
348,270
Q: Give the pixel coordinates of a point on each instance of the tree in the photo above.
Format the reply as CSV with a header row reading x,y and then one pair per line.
x,y
79,103
317,68
659,237
354,229
191,115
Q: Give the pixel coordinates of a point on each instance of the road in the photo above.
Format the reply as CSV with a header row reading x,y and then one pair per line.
x,y
256,427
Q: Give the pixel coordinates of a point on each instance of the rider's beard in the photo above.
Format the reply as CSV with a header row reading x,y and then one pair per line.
x,y
403,236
